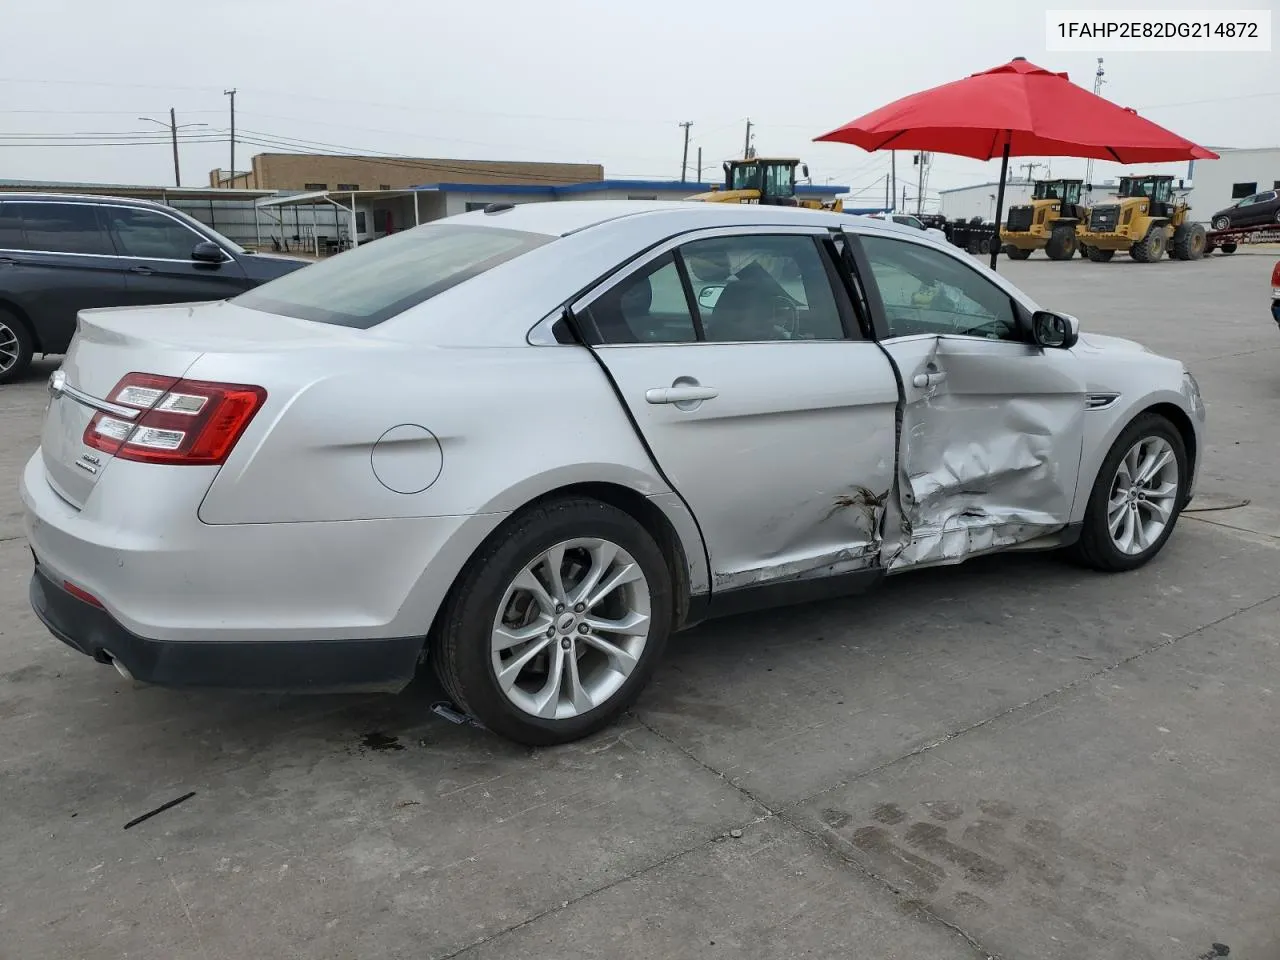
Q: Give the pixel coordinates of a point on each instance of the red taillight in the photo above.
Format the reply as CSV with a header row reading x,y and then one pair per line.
x,y
181,421
81,594
1275,275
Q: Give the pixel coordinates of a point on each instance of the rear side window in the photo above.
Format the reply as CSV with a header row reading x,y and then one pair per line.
x,y
54,228
376,281
145,233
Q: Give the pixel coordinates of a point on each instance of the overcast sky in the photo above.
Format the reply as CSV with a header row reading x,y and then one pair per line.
x,y
570,80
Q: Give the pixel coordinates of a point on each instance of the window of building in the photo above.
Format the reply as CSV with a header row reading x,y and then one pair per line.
x,y
476,205
360,221
384,186
642,196
348,186
315,186
1241,190
1275,185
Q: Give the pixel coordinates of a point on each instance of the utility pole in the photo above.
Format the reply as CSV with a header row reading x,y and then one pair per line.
x,y
173,133
904,196
1030,168
893,174
684,159
699,164
1097,89
921,159
746,143
887,195
232,94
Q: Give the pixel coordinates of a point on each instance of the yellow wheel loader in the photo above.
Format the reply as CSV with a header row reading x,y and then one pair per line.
x,y
1047,223
1144,219
767,180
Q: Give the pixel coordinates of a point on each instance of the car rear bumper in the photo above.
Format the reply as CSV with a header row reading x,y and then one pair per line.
x,y
317,665
137,546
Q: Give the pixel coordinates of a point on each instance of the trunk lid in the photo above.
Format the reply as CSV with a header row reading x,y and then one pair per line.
x,y
165,340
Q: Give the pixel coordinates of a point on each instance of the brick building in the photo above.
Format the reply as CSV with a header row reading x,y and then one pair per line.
x,y
309,171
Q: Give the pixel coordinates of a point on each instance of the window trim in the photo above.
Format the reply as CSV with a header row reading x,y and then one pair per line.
x,y
671,244
875,301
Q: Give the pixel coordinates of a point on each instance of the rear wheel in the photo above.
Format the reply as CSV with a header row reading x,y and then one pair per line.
x,y
1151,247
1100,256
1228,247
15,347
1062,243
1189,241
1137,497
1015,253
553,630
1221,223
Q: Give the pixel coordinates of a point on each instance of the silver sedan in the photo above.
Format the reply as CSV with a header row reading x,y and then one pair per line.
x,y
527,444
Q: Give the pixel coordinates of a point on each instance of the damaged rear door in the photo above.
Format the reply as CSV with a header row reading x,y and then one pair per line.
x,y
992,425
742,366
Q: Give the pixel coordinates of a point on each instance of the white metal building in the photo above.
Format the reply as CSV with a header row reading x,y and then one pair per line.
x,y
1240,173
979,199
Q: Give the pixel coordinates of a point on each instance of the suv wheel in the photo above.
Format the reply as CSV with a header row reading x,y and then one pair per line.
x,y
554,629
15,347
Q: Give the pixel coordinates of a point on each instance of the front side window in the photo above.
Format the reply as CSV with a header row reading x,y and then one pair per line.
x,y
56,228
374,282
926,291
145,233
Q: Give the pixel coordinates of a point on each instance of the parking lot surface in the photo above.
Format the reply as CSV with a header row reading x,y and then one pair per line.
x,y
1010,758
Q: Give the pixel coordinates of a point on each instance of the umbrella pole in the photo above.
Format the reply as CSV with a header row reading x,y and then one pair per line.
x,y
1004,172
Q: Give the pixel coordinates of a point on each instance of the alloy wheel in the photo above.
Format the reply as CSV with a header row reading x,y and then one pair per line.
x,y
571,628
10,349
1144,495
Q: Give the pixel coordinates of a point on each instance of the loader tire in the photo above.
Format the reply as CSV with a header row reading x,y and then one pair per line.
x,y
1100,256
1062,243
1150,248
1189,241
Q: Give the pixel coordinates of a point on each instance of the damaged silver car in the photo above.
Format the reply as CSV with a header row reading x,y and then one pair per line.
x,y
527,444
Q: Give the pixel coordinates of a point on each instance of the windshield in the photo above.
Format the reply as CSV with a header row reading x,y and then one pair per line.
x,y
779,180
745,177
1048,191
1136,188
378,280
226,242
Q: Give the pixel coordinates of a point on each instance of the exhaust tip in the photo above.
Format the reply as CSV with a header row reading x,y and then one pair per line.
x,y
120,667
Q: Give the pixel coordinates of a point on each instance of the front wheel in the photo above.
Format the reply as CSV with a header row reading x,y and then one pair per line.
x,y
1015,253
555,628
1137,497
1221,223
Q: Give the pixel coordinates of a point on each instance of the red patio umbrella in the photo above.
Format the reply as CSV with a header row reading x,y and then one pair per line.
x,y
1017,109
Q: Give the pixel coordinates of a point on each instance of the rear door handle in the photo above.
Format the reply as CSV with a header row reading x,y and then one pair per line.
x,y
145,271
682,394
929,379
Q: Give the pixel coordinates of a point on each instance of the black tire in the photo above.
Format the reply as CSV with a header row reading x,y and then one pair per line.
x,y
1190,241
1095,548
1083,251
1221,223
15,347
1015,253
1062,243
1151,247
462,640
1228,247
1100,256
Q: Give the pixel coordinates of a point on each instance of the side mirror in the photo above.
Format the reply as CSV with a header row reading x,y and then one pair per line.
x,y
804,168
1057,331
206,251
710,294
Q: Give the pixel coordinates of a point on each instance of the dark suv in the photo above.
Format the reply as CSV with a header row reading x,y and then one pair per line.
x,y
62,254
1259,210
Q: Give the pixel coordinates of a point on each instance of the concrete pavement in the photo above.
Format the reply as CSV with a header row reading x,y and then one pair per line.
x,y
1013,758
